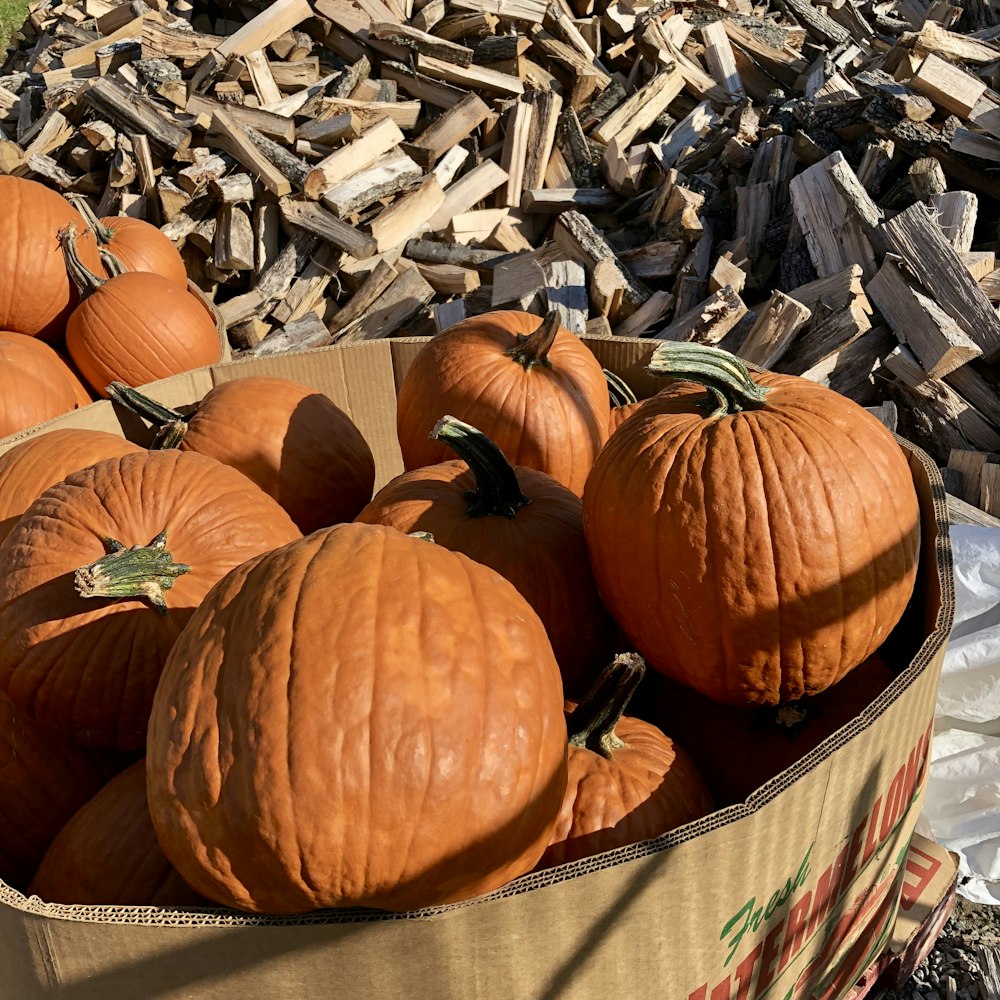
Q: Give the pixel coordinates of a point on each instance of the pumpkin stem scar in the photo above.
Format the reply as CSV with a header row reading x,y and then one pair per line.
x,y
83,278
723,374
422,536
171,425
592,723
497,492
534,349
139,571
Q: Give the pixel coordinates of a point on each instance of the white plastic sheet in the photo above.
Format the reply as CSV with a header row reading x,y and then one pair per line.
x,y
962,805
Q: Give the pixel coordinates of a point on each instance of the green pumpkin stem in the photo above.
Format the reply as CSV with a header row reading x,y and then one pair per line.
x,y
618,389
83,278
497,492
140,571
534,349
171,425
592,723
102,233
722,373
111,263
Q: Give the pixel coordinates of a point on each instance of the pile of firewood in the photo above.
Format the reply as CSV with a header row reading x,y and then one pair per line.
x,y
809,185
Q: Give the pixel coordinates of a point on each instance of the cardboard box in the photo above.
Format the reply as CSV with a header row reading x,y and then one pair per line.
x,y
782,897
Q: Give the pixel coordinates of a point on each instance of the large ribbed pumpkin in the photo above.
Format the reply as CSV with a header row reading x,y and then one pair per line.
x,y
35,383
359,718
36,295
528,384
44,779
628,782
757,541
108,854
295,443
136,327
28,469
518,521
103,571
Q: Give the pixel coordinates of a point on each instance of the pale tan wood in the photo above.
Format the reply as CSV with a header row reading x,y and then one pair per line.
x,y
309,287
919,241
778,322
725,272
277,18
720,59
532,11
954,47
957,212
514,153
422,42
974,144
449,129
546,106
467,191
653,311
478,78
241,309
937,341
234,242
378,280
960,512
971,386
980,263
656,260
557,171
266,230
949,87
406,296
449,279
394,225
272,125
301,335
709,321
565,291
927,178
82,55
476,226
641,109
970,465
227,134
369,113
388,175
353,158
261,77
507,237
316,220
448,166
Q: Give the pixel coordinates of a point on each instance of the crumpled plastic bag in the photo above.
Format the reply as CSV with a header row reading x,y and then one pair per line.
x,y
961,809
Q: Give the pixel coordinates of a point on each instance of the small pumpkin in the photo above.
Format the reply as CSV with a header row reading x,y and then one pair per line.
x,y
534,388
518,521
756,541
628,782
136,327
107,854
399,747
28,469
103,571
133,244
35,384
738,750
36,295
295,443
623,400
44,779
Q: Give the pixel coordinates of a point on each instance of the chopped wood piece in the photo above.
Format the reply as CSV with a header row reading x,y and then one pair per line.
x,y
980,264
390,174
566,292
970,465
232,189
317,220
546,106
725,273
778,322
134,113
272,22
913,236
927,178
720,59
532,11
234,243
559,200
895,95
405,297
948,86
422,42
514,154
709,321
653,311
982,394
989,491
447,130
394,225
227,134
957,212
449,279
640,111
353,158
447,314
656,260
301,335
850,370
467,191
471,77
937,341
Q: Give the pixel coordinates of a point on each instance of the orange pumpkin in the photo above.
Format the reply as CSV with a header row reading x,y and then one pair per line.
x,y
44,779
36,295
628,782
532,387
108,854
623,400
103,571
756,541
398,748
518,521
35,383
295,443
28,469
136,327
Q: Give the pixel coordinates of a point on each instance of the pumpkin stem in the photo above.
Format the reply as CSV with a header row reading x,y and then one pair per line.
x,y
497,491
534,349
618,389
102,233
722,373
85,280
422,536
171,425
140,571
111,263
592,723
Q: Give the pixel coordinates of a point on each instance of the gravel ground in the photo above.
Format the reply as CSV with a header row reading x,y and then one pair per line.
x,y
955,969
